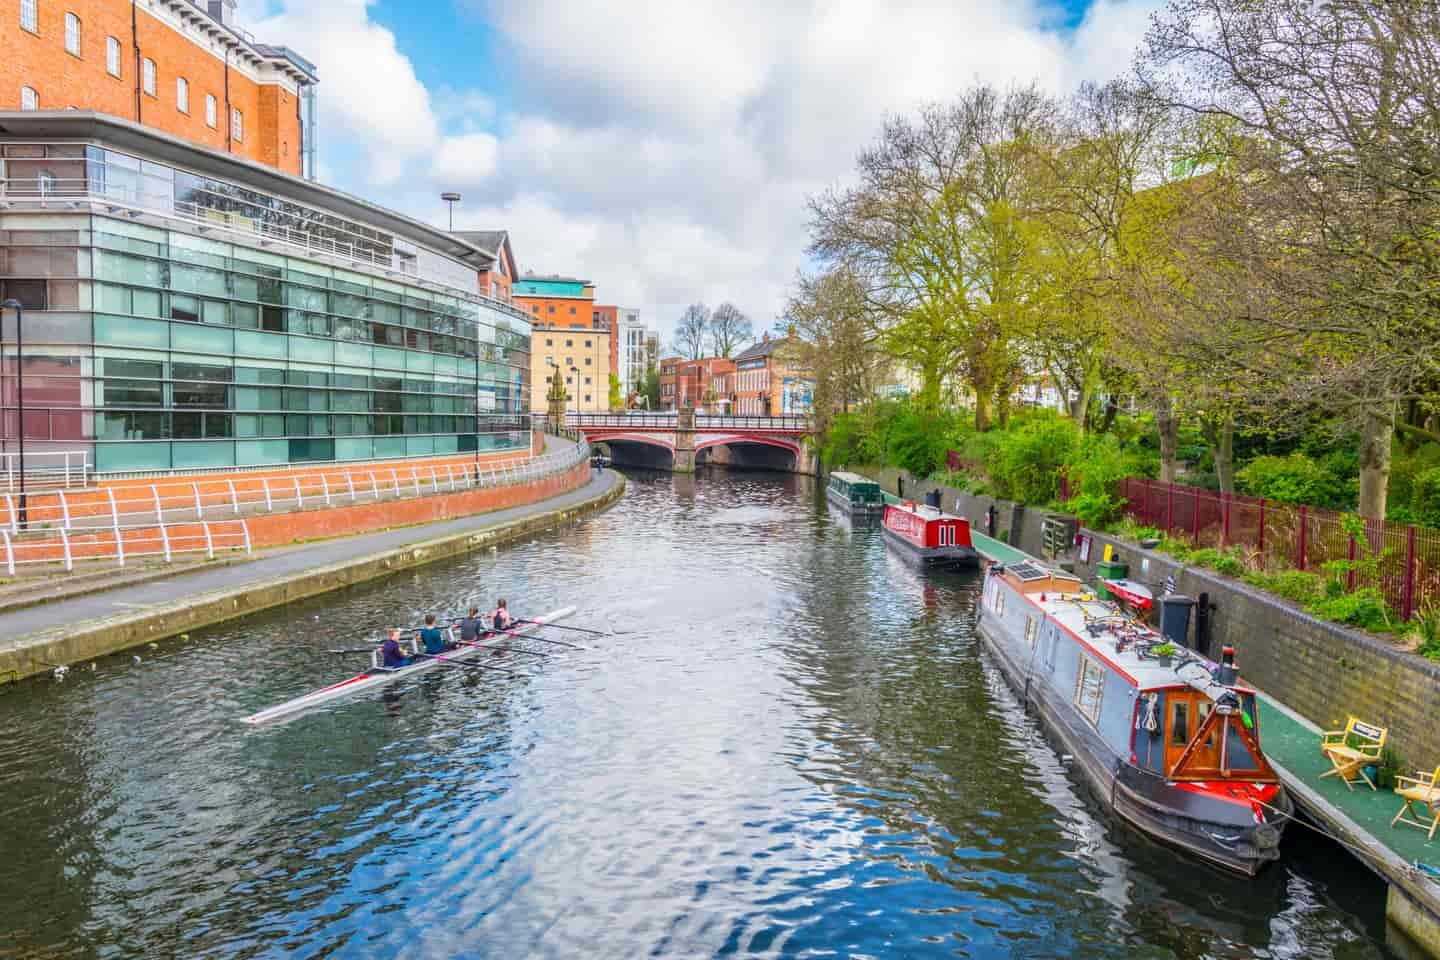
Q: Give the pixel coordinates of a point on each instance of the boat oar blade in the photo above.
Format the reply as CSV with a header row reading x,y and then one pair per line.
x,y
445,661
351,650
562,626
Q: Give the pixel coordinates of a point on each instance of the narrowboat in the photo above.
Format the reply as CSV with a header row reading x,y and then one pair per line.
x,y
854,493
929,534
1170,743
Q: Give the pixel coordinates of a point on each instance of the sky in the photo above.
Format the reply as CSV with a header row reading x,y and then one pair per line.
x,y
663,149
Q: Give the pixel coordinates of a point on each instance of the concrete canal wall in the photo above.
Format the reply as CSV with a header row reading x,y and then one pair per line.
x,y
37,652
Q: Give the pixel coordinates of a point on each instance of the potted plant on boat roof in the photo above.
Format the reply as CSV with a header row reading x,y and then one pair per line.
x,y
1163,652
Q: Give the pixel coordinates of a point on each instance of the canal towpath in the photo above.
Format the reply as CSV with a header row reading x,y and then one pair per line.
x,y
36,638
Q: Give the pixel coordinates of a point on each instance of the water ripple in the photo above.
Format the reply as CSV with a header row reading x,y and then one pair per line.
x,y
792,746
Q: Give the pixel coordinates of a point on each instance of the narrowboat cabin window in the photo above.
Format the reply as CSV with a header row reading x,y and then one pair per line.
x,y
1089,688
1179,722
1030,632
999,602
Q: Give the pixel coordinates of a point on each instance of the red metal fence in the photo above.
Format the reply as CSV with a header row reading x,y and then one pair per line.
x,y
1282,535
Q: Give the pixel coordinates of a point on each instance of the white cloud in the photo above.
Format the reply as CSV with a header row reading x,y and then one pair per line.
x,y
665,150
465,160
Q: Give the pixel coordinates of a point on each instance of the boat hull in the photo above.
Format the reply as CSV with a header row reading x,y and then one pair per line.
x,y
956,556
1216,831
854,507
371,679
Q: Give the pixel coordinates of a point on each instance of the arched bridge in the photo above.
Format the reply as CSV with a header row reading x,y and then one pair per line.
x,y
679,440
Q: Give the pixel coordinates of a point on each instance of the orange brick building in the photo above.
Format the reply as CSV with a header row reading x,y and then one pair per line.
x,y
181,67
569,332
705,384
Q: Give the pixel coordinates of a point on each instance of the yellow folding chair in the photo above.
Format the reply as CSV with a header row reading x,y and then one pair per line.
x,y
1422,801
1352,749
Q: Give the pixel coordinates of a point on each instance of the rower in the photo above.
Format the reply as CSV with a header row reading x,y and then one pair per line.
x,y
391,653
430,636
472,626
501,619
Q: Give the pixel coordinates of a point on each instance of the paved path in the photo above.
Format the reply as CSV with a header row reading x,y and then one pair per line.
x,y
15,624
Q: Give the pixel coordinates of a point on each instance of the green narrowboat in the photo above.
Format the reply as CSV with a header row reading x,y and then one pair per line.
x,y
854,493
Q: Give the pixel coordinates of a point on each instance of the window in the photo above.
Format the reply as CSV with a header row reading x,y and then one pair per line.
x,y
29,99
182,94
587,381
29,19
549,342
1179,723
535,309
237,125
1089,689
72,34
210,109
587,343
147,76
569,343
550,308
1030,632
112,56
572,311
587,398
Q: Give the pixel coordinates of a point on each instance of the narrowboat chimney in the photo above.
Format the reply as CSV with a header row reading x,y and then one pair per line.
x,y
1227,674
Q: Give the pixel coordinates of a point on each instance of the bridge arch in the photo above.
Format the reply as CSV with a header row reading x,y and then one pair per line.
x,y
631,449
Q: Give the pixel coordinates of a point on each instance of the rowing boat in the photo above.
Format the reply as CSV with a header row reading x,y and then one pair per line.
x,y
380,676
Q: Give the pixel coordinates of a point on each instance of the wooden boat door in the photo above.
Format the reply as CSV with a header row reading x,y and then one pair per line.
x,y
1185,713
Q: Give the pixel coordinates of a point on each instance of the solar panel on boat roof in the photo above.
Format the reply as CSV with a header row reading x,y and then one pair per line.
x,y
1028,571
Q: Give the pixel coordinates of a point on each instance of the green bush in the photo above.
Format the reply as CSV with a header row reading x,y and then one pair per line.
x,y
841,443
1294,479
1363,608
1425,631
1025,463
1425,497
1299,586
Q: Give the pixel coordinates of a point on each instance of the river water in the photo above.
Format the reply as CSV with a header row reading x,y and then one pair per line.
x,y
792,746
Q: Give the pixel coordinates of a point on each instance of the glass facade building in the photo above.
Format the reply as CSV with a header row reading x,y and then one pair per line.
x,y
175,319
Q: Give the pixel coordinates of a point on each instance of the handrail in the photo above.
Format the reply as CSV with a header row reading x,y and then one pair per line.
x,y
121,524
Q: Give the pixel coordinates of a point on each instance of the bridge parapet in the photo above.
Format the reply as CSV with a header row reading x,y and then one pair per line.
x,y
669,420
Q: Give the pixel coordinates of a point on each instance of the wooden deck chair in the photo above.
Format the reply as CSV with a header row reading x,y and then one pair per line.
x,y
1422,801
1352,749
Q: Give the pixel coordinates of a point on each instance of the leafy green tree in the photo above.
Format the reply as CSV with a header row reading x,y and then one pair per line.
x,y
617,402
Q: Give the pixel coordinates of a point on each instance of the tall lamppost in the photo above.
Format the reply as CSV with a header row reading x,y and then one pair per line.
x,y
451,198
13,304
576,371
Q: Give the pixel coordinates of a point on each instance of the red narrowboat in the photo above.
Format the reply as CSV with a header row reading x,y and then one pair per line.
x,y
929,534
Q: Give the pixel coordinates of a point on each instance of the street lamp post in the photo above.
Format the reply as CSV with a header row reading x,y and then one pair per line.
x,y
576,371
451,198
13,304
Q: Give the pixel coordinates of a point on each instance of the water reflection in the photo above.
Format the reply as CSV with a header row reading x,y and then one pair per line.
x,y
792,745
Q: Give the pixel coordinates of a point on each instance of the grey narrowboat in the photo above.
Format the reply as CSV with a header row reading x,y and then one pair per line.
x,y
854,493
1166,739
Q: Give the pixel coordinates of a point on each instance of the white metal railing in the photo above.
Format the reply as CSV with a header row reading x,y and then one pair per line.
x,y
110,524
46,469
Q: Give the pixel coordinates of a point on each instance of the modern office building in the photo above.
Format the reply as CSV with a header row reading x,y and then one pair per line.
x,y
638,349
184,67
187,307
569,332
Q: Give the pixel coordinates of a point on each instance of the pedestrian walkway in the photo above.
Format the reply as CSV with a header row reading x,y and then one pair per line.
x,y
1294,744
16,625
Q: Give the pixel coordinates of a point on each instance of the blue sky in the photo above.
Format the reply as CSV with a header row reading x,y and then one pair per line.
x,y
664,150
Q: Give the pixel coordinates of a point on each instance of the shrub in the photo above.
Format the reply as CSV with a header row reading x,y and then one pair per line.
x,y
1363,608
1425,631
1025,464
1299,586
841,443
1293,479
1425,497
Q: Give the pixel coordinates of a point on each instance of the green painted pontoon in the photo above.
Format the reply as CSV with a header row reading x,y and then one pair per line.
x,y
854,493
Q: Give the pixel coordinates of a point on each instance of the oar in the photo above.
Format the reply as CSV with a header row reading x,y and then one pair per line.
x,y
561,626
463,663
352,650
486,646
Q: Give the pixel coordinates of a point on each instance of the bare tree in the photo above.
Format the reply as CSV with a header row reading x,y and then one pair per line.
x,y
691,331
1330,133
729,327
834,340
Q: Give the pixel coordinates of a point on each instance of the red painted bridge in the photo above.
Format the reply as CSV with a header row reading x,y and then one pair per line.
x,y
678,440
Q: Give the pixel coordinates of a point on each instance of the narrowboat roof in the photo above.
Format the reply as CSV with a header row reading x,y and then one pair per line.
x,y
1072,611
923,510
851,477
